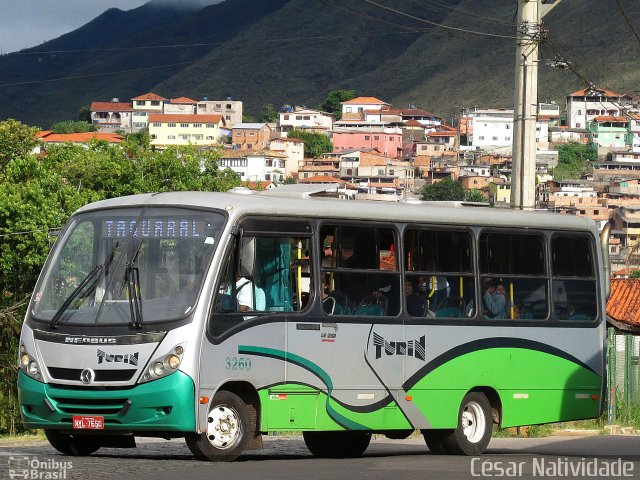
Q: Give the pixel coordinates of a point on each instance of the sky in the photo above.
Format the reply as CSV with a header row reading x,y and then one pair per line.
x,y
26,23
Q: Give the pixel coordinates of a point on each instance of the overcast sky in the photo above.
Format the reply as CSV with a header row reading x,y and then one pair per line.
x,y
26,23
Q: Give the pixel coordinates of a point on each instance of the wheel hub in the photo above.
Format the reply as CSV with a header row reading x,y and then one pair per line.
x,y
223,427
473,422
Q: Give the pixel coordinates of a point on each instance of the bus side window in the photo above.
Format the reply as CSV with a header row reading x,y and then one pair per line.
x,y
439,281
574,283
513,276
359,271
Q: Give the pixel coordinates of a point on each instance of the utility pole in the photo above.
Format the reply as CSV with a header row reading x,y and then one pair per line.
x,y
530,14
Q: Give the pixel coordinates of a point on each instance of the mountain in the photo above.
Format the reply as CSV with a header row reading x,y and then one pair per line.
x,y
295,51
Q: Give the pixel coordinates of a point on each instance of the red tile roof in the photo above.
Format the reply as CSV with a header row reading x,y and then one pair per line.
x,y
285,139
183,100
149,96
365,101
605,92
442,134
50,137
624,302
413,123
261,185
609,118
180,118
409,112
111,106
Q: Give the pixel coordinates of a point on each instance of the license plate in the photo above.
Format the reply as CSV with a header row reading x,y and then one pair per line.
x,y
90,423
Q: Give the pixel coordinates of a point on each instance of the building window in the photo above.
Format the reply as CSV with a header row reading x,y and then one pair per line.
x,y
268,163
282,164
381,171
184,125
198,137
228,106
211,125
171,125
298,117
267,176
306,117
508,139
156,124
249,145
507,126
197,125
367,137
155,103
481,137
227,117
218,105
238,134
251,134
153,137
349,171
171,137
140,103
494,138
285,117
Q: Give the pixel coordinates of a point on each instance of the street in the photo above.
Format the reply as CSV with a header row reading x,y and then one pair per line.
x,y
287,457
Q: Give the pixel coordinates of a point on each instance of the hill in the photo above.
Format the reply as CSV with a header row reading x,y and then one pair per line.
x,y
295,51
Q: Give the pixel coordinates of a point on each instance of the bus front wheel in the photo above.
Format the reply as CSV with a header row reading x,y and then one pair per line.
x,y
475,424
349,444
229,429
74,445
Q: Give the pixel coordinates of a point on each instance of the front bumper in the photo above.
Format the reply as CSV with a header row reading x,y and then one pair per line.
x,y
167,404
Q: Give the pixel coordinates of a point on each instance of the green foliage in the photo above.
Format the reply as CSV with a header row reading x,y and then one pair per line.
x,y
16,140
315,144
475,195
573,160
84,114
333,102
634,274
39,193
446,189
267,114
289,181
72,126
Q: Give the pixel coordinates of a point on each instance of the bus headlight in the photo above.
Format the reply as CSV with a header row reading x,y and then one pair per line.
x,y
28,364
164,365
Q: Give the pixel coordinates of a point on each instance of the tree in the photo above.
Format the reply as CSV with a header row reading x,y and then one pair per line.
x,y
84,114
475,195
267,114
333,102
16,140
634,274
72,126
315,144
573,160
446,189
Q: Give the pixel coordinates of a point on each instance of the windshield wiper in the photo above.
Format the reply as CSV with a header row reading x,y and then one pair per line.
x,y
90,276
132,283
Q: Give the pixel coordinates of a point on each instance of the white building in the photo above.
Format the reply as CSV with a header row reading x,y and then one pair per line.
x,y
492,128
584,105
180,106
634,131
111,116
359,105
143,106
255,166
306,119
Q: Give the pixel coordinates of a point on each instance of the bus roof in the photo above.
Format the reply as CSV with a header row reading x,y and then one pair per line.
x,y
240,202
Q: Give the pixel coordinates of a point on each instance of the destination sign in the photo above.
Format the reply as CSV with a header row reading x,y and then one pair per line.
x,y
164,227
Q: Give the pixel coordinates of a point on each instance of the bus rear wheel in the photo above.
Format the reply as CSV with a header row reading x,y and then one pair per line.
x,y
349,444
475,425
229,429
74,445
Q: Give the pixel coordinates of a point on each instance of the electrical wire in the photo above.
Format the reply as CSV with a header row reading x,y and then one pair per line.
x,y
627,20
439,6
439,25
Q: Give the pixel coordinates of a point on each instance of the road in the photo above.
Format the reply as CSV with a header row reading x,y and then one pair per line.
x,y
287,457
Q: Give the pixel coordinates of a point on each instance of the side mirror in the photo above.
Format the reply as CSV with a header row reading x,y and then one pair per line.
x,y
247,257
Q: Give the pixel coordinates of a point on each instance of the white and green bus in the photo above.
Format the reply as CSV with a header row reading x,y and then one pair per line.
x,y
220,317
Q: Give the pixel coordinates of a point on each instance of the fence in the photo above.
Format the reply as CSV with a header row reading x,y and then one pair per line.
x,y
623,377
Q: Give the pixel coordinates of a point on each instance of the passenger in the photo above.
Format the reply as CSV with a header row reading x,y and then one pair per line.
x,y
416,305
493,302
249,298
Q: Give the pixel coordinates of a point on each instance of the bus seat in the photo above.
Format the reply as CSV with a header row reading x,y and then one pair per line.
x,y
372,306
451,307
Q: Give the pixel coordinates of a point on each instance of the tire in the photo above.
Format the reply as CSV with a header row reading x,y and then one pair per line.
x,y
229,429
475,425
343,444
73,445
435,440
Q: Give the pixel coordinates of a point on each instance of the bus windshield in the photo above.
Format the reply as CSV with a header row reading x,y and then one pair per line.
x,y
127,266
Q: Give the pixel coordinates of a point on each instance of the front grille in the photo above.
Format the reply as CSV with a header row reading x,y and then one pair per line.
x,y
90,406
101,375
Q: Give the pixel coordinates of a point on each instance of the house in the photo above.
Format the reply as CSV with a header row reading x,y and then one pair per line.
x,y
179,129
306,119
356,107
231,110
618,165
500,193
586,104
143,106
251,136
438,143
51,138
492,128
293,148
348,135
259,186
608,133
313,167
112,116
375,169
180,106
633,139
255,165
564,134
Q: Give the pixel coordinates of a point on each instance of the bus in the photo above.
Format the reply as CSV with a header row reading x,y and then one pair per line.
x,y
221,317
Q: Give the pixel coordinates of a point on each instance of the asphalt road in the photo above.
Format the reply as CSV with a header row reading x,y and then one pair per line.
x,y
287,457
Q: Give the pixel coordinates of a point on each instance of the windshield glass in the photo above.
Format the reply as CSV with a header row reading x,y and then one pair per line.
x,y
127,266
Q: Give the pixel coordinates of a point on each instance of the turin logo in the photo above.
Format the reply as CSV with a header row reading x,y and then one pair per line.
x,y
412,348
130,358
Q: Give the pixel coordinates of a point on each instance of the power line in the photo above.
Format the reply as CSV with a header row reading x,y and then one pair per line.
x,y
627,20
439,25
438,5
